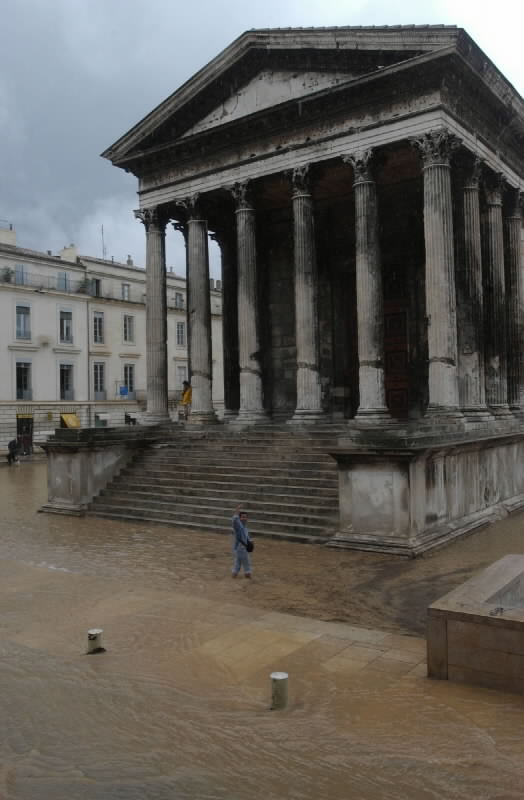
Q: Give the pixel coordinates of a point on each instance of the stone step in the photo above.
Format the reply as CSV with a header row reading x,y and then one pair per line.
x,y
230,494
283,478
231,488
238,470
290,536
282,503
215,459
165,511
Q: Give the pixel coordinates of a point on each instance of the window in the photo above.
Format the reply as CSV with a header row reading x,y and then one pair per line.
x,y
129,377
23,322
126,289
62,283
23,380
20,274
181,375
66,327
129,328
98,327
96,287
181,334
66,382
99,377
179,300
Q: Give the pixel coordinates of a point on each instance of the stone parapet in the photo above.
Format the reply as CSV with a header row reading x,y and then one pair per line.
x,y
81,462
409,499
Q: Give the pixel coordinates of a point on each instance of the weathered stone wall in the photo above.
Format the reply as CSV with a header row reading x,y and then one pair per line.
x,y
407,500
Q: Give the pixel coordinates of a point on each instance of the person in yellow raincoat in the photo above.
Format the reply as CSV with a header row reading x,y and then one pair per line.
x,y
187,396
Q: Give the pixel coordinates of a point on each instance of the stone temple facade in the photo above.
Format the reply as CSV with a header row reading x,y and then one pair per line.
x,y
365,187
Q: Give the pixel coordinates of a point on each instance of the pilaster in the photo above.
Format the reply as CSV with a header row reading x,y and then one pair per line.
x,y
154,221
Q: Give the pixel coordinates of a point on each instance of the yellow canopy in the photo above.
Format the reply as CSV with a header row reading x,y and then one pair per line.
x,y
70,420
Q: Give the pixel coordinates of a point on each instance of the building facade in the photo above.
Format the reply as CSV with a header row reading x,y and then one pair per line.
x,y
73,333
365,187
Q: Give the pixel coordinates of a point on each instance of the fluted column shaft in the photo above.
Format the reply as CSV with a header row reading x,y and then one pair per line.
x,y
251,387
199,317
309,395
436,147
513,223
370,300
470,298
227,243
156,313
495,296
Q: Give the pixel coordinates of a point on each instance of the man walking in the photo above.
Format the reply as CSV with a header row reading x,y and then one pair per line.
x,y
241,541
12,448
187,397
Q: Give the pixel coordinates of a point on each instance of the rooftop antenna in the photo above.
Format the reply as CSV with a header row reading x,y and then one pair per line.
x,y
104,250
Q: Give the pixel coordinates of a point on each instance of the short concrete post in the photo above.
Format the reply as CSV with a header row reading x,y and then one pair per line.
x,y
94,641
279,682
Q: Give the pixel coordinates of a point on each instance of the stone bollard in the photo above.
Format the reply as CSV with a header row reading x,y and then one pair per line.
x,y
94,641
278,690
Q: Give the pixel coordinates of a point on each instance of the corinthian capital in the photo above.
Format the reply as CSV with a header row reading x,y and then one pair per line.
x,y
494,185
436,147
472,171
155,217
300,180
362,163
242,196
191,206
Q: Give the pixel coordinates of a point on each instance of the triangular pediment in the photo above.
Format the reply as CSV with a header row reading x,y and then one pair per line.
x,y
263,69
268,89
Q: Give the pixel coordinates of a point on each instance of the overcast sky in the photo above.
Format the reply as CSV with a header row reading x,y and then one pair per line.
x,y
77,74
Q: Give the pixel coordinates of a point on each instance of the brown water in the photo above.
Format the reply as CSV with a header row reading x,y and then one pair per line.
x,y
177,707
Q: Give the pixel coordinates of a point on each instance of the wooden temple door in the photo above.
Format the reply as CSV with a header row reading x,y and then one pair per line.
x,y
396,356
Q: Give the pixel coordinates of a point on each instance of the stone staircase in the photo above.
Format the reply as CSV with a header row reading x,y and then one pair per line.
x,y
283,477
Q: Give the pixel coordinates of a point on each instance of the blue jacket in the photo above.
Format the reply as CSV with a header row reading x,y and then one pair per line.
x,y
240,532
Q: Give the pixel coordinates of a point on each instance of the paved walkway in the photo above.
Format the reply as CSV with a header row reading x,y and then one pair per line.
x,y
178,705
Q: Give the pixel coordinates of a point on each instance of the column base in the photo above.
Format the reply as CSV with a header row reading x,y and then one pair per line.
x,y
500,410
230,414
476,414
248,416
202,418
304,416
373,417
155,418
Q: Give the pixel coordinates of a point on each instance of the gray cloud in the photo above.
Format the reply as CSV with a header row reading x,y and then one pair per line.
x,y
76,74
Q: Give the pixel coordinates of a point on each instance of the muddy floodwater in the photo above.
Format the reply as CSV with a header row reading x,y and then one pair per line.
x,y
178,705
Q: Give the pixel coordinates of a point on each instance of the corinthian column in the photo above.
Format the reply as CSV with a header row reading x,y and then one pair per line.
x,y
309,399
154,221
435,148
513,224
251,390
470,302
495,296
370,301
199,315
226,239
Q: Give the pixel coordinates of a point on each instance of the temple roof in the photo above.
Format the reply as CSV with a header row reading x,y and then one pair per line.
x,y
301,61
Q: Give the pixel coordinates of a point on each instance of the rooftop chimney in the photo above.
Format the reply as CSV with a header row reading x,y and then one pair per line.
x,y
7,233
68,253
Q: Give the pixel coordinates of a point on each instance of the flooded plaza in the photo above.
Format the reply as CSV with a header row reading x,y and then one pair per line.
x,y
178,705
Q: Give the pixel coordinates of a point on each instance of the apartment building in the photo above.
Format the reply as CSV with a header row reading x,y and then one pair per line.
x,y
73,341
